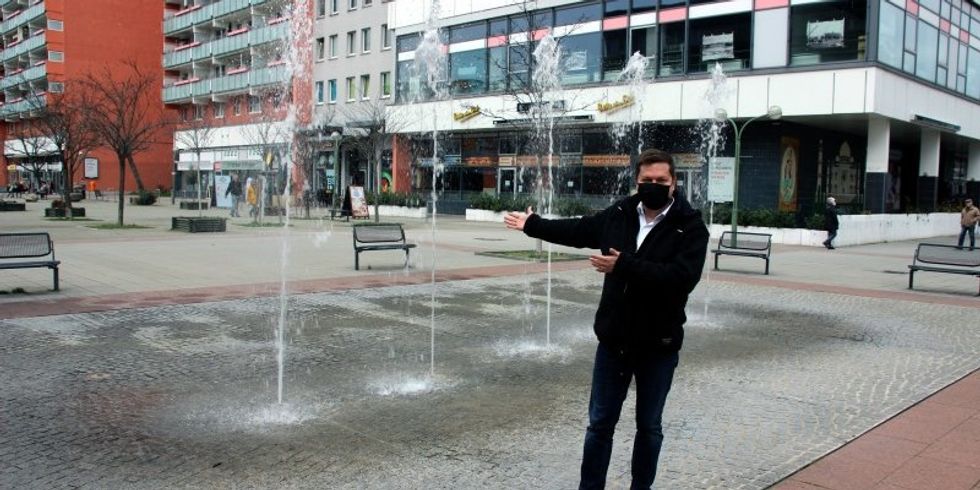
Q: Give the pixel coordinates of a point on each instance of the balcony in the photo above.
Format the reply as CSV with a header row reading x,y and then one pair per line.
x,y
186,18
28,75
226,45
231,83
267,34
8,111
24,47
239,82
269,75
225,7
229,44
177,58
175,93
31,13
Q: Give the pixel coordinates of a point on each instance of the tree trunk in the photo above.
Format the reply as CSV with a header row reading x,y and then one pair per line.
x,y
66,188
136,173
122,189
377,189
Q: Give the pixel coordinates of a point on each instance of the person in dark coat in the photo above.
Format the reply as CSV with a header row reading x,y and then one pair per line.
x,y
235,191
831,222
652,250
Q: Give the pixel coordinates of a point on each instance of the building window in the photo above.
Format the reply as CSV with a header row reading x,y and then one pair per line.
x,y
55,25
199,112
386,84
56,56
56,87
644,41
672,49
351,38
365,87
352,5
320,48
254,104
497,69
334,6
219,109
925,52
385,37
319,92
366,3
468,72
236,105
583,61
723,40
827,32
366,40
321,8
333,46
332,91
351,89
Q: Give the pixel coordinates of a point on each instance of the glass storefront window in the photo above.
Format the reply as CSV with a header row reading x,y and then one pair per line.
x,y
468,72
672,45
723,40
890,30
925,52
582,55
827,32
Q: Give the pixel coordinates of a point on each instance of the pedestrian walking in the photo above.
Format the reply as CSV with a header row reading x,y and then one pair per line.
x,y
831,223
969,217
252,197
235,191
652,250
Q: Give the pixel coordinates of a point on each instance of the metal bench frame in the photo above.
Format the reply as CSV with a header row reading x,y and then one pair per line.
x,y
396,241
32,246
969,267
725,248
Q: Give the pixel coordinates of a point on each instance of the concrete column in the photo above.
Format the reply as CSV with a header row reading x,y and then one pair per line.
x,y
973,172
876,167
928,169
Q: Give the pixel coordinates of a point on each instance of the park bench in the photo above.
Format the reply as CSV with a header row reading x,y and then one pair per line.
x,y
744,244
14,247
369,237
947,259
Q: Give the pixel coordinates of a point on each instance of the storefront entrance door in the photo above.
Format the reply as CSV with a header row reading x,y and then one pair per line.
x,y
506,181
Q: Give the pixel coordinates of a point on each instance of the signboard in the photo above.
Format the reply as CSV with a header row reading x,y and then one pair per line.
x,y
789,148
721,179
221,183
91,168
606,160
358,202
688,160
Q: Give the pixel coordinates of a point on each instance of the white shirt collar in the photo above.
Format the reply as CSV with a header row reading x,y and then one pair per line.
x,y
658,218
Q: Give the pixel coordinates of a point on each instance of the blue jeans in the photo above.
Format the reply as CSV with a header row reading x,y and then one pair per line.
x,y
611,378
967,229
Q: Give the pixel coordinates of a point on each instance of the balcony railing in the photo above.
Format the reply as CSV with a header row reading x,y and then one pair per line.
x,y
14,108
228,6
231,83
238,82
269,75
267,34
206,13
28,75
226,45
177,92
229,44
175,58
24,17
30,44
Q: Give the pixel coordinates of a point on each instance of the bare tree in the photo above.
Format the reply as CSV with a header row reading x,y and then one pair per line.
x,y
30,147
195,136
65,118
268,134
374,124
129,116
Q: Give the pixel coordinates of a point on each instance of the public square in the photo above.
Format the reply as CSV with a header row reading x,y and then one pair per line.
x,y
155,365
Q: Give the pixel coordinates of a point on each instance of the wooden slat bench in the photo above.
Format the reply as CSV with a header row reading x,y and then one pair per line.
x,y
744,245
16,247
369,237
946,259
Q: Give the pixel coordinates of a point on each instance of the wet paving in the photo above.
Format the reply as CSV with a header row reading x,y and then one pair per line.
x,y
184,396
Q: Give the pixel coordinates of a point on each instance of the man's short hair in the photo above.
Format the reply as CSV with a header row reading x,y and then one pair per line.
x,y
651,156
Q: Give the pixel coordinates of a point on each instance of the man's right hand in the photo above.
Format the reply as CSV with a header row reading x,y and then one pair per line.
x,y
515,219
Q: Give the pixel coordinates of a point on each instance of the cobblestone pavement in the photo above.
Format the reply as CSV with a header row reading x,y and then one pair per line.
x,y
184,396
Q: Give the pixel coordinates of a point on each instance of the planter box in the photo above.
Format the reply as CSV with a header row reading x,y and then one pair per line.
x,y
193,205
135,200
401,212
485,215
13,206
60,212
198,225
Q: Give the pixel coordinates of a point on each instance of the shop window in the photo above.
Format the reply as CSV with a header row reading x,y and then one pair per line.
x,y
614,53
582,58
672,45
468,72
890,31
827,32
723,40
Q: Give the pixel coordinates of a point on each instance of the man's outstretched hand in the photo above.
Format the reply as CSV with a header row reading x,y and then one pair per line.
x,y
605,263
515,219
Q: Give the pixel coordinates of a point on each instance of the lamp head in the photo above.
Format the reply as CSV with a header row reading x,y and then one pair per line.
x,y
775,112
721,115
335,135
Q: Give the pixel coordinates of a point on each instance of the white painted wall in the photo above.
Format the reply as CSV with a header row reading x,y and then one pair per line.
x,y
242,135
860,229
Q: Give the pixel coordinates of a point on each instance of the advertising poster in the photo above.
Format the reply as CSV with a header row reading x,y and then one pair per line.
x,y
789,161
358,202
221,183
721,179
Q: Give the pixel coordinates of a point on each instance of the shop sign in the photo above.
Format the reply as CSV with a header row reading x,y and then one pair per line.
x,y
626,101
688,160
721,179
506,161
479,161
570,160
467,114
606,160
193,165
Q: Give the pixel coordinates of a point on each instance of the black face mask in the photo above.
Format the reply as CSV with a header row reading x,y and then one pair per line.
x,y
653,195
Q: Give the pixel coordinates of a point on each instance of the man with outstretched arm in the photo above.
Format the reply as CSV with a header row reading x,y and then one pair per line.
x,y
653,247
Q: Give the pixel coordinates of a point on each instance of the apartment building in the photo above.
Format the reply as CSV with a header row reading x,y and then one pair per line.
x,y
353,77
880,98
49,42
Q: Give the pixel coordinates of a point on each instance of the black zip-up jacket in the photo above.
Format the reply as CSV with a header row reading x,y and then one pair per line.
x,y
643,298
830,218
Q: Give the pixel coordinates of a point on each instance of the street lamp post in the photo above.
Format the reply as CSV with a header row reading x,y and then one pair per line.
x,y
335,137
775,112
